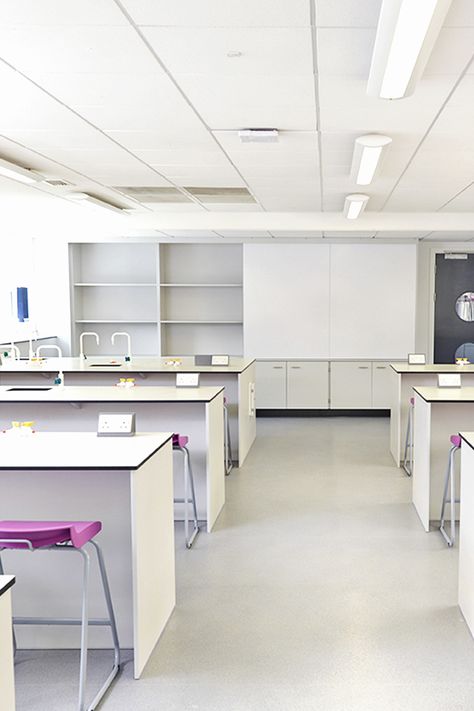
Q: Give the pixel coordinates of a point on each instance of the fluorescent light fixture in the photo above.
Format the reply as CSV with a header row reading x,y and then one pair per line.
x,y
258,135
23,175
93,202
367,153
406,34
354,205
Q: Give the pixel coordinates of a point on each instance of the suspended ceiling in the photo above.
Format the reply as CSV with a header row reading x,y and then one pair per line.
x,y
142,94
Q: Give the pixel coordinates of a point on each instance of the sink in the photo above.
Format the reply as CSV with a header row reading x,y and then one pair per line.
x,y
104,365
33,387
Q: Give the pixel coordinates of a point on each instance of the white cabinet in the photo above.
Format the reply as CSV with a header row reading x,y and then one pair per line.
x,y
381,385
307,384
271,384
351,385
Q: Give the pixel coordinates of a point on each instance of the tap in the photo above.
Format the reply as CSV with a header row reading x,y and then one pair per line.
x,y
42,348
15,351
82,355
128,357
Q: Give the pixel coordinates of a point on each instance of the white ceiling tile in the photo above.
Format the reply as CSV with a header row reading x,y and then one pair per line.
x,y
191,233
215,13
234,207
272,51
174,158
173,207
347,13
42,50
452,51
136,178
231,102
345,52
59,12
464,202
246,233
158,140
461,14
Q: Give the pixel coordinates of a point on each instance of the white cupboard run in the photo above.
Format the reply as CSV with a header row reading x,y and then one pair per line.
x,y
322,385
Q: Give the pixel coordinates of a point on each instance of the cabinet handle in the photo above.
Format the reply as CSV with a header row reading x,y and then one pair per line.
x,y
363,367
381,367
277,367
295,367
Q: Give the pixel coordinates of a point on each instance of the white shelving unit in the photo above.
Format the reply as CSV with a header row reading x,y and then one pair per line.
x,y
197,313
115,287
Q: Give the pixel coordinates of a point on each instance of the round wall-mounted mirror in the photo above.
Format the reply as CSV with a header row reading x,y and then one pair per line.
x,y
465,306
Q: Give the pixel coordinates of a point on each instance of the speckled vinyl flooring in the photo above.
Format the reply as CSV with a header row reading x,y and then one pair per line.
x,y
318,590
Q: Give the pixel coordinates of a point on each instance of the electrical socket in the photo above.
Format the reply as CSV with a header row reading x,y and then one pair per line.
x,y
116,424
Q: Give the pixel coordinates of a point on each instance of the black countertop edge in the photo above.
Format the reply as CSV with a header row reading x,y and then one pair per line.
x,y
120,468
8,585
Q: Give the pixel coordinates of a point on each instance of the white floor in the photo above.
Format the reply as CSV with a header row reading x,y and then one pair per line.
x,y
318,590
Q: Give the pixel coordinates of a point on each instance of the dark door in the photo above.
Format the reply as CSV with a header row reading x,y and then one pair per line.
x,y
454,308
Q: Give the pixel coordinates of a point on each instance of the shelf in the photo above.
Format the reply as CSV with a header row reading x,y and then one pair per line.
x,y
115,284
126,320
204,322
214,286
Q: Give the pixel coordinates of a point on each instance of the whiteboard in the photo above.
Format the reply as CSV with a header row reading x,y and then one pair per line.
x,y
373,298
286,301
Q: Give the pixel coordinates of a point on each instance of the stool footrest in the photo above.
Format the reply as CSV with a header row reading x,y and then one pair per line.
x,y
97,622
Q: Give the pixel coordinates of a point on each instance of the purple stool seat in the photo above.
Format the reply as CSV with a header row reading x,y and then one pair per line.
x,y
180,440
455,440
48,533
412,401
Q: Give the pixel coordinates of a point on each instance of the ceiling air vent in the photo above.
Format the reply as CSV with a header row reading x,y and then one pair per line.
x,y
58,183
152,194
221,195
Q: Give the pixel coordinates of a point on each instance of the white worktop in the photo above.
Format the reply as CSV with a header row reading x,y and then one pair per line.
x,y
446,394
6,582
78,450
468,438
105,364
106,393
432,368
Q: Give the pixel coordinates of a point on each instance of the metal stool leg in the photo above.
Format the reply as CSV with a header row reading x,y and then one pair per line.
x,y
186,500
227,443
84,629
408,454
450,482
113,627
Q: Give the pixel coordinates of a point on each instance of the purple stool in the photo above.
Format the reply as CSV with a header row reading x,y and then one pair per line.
x,y
179,444
67,536
229,464
408,455
450,483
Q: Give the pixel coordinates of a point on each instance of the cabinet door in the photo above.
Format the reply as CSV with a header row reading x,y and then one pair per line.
x,y
381,385
271,384
307,384
351,385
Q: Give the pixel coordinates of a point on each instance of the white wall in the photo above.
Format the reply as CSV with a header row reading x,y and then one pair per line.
x,y
329,301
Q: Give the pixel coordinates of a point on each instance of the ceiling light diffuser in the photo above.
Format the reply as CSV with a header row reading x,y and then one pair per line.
x,y
406,33
367,154
91,201
258,135
354,205
23,175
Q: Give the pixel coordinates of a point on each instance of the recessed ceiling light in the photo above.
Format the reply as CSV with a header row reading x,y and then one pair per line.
x,y
16,172
258,135
94,202
234,53
354,205
366,159
406,33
